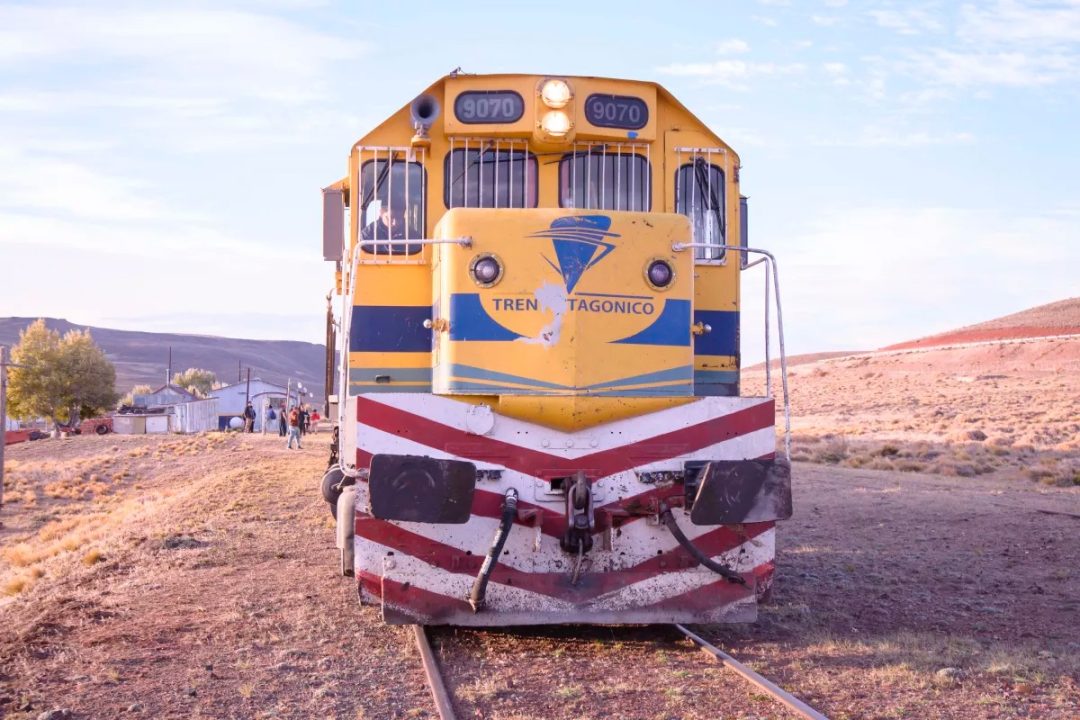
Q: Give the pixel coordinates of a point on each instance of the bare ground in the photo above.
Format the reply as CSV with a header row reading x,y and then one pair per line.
x,y
197,579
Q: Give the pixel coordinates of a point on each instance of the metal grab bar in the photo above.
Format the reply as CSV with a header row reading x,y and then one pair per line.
x,y
770,262
463,241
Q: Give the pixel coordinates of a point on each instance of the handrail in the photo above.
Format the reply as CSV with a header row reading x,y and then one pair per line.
x,y
463,241
770,262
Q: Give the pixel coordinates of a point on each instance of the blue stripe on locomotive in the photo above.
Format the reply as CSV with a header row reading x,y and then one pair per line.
x,y
390,328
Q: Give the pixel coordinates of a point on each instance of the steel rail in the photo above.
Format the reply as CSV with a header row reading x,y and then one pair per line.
x,y
434,677
774,690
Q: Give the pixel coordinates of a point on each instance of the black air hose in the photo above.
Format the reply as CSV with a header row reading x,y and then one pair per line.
x,y
509,512
669,520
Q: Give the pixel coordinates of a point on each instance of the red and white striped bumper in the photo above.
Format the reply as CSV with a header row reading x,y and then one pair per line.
x,y
636,572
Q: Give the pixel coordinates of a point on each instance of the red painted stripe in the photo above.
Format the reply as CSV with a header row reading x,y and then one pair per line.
x,y
426,606
707,597
553,584
451,440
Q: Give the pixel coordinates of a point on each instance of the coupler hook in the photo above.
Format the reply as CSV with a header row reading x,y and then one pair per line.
x,y
580,521
479,588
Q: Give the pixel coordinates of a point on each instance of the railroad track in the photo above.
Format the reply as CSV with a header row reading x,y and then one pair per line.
x,y
445,707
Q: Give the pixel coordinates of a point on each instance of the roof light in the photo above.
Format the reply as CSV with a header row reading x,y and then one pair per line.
x,y
555,93
555,123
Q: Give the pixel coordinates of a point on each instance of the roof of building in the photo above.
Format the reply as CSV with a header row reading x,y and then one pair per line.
x,y
175,389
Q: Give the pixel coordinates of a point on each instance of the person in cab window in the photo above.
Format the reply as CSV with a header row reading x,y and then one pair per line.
x,y
389,225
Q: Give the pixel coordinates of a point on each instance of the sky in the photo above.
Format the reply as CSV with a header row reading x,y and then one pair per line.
x,y
911,164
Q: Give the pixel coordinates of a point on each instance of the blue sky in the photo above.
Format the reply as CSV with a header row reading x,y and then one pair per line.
x,y
912,164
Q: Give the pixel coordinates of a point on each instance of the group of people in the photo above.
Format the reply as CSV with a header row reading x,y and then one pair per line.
x,y
293,422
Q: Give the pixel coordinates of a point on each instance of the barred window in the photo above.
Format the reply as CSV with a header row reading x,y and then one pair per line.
x,y
391,205
489,176
600,178
699,194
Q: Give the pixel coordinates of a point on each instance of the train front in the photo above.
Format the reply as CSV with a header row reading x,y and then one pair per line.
x,y
541,420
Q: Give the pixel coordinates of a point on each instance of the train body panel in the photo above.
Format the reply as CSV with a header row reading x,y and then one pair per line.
x,y
540,417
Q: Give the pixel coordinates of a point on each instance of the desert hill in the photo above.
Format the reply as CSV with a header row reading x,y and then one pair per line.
x,y
142,357
944,405
1057,318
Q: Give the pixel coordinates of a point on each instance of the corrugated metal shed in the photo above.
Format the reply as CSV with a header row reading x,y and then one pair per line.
x,y
194,417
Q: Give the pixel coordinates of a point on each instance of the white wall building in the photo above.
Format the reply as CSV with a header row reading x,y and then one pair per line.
x,y
231,400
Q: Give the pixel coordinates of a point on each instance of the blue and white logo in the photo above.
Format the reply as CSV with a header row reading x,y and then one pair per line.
x,y
579,244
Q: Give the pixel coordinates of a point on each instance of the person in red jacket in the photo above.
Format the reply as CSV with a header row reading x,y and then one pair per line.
x,y
294,428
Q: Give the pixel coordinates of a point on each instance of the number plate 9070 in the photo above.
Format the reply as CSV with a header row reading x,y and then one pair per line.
x,y
494,106
617,111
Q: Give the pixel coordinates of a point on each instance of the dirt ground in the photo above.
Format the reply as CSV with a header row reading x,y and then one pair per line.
x,y
195,578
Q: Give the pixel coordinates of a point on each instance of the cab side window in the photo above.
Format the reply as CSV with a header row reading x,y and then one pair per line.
x,y
699,194
391,206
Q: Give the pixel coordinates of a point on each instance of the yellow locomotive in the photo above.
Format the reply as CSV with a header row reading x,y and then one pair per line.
x,y
539,417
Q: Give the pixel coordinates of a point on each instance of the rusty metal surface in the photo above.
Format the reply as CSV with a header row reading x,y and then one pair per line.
x,y
435,681
742,491
421,489
746,673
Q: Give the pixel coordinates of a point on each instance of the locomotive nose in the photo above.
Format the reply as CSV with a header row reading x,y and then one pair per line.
x,y
551,303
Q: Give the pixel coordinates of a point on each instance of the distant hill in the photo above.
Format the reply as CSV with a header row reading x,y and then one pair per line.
x,y
142,357
1057,318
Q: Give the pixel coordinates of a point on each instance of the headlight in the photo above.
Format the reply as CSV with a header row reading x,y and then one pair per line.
x,y
555,93
555,123
659,274
486,270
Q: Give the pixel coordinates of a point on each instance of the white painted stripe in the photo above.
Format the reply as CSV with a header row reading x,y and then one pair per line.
x,y
373,559
453,414
751,445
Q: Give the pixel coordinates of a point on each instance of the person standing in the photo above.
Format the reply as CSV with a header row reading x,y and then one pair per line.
x,y
294,428
249,418
269,416
283,420
304,419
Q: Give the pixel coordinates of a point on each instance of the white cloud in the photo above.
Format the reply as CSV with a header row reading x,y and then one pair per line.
x,y
909,21
731,73
1010,21
227,51
835,3
732,46
197,77
837,72
1015,68
825,20
874,136
862,278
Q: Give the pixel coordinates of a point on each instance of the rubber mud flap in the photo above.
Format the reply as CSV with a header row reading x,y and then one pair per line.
x,y
743,491
421,489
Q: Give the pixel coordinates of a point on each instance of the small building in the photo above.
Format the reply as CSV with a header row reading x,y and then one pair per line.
x,y
262,394
164,396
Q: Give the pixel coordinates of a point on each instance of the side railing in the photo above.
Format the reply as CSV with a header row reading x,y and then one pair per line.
x,y
770,269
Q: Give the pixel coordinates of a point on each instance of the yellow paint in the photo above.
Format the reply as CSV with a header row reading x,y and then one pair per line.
x,y
566,337
570,414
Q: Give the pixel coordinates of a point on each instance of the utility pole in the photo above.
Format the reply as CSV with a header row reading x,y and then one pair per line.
x,y
3,415
247,390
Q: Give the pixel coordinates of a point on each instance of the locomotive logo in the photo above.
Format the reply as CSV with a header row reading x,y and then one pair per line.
x,y
579,244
